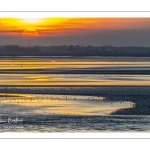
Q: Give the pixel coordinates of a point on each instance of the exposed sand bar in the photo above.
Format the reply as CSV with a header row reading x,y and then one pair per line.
x,y
140,71
127,90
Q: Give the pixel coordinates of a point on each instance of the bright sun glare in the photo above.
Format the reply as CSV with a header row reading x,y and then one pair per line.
x,y
32,20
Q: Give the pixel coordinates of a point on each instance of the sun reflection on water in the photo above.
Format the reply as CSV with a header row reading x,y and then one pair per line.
x,y
60,104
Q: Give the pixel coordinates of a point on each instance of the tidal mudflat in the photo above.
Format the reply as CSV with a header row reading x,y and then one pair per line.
x,y
74,94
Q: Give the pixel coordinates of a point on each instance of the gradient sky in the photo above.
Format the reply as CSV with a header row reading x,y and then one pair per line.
x,y
75,31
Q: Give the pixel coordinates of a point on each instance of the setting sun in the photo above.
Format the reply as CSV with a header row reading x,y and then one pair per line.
x,y
63,74
64,27
30,33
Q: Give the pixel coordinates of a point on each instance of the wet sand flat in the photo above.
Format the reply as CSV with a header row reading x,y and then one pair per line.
x,y
74,94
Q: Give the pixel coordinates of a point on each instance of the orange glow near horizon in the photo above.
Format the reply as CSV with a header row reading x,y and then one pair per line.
x,y
30,33
38,27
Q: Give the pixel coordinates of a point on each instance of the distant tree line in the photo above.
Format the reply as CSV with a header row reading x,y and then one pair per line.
x,y
64,50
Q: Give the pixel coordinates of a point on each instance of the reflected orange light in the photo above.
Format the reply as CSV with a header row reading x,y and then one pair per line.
x,y
62,104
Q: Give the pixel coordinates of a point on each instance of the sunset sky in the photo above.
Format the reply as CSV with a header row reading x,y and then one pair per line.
x,y
75,31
